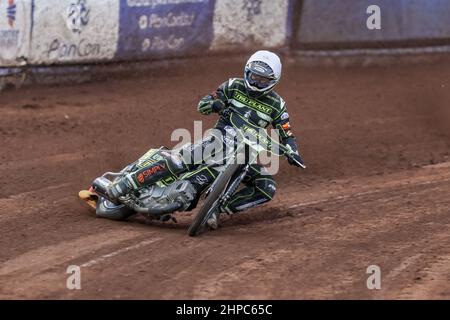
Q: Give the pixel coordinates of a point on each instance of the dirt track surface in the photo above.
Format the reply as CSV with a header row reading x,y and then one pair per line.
x,y
376,191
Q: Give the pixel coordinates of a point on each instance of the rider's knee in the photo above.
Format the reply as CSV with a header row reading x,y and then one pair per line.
x,y
267,187
174,161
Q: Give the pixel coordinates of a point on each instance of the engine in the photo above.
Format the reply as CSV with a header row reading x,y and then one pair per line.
x,y
180,191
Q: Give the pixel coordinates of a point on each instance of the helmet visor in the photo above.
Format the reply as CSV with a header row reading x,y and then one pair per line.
x,y
259,81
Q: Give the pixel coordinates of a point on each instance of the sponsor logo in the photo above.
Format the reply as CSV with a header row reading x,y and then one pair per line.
x,y
284,116
263,123
11,11
10,36
60,50
158,43
248,114
253,8
286,126
252,103
150,172
77,16
171,20
254,133
156,3
202,179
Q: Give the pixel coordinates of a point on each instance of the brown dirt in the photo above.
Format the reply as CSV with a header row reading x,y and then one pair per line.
x,y
372,195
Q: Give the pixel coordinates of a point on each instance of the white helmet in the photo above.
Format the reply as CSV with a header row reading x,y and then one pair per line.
x,y
262,72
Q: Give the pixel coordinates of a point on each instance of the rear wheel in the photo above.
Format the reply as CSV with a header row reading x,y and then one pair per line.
x,y
212,200
107,209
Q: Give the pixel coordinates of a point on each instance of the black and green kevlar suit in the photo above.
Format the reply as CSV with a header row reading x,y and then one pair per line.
x,y
262,112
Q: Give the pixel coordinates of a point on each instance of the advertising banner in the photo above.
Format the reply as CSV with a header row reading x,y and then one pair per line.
x,y
73,31
250,23
345,21
164,28
15,27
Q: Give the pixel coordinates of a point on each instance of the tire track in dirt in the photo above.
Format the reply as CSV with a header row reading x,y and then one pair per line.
x,y
367,235
434,282
247,266
221,283
358,128
41,171
423,274
48,160
321,255
43,270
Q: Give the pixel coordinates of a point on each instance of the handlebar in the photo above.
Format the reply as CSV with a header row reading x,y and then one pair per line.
x,y
301,165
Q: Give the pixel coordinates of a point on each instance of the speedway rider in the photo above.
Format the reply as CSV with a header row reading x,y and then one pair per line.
x,y
252,96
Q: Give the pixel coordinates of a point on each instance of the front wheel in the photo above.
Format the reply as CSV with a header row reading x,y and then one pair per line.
x,y
212,201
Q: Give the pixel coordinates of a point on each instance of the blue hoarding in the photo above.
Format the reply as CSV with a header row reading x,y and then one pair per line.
x,y
164,28
344,21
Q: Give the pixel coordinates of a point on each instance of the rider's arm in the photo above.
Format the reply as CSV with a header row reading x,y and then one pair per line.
x,y
214,102
287,138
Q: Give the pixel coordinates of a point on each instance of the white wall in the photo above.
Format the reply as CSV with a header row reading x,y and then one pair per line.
x,y
247,24
15,31
74,31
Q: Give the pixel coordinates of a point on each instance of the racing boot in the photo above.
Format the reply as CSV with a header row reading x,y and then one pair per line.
x,y
120,188
213,221
112,190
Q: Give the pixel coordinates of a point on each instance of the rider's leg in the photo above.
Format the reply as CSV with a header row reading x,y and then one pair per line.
x,y
209,150
202,177
259,188
152,167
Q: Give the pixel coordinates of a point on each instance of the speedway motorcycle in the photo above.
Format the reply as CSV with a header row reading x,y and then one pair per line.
x,y
162,199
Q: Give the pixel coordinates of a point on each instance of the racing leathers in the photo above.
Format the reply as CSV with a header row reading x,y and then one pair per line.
x,y
261,111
